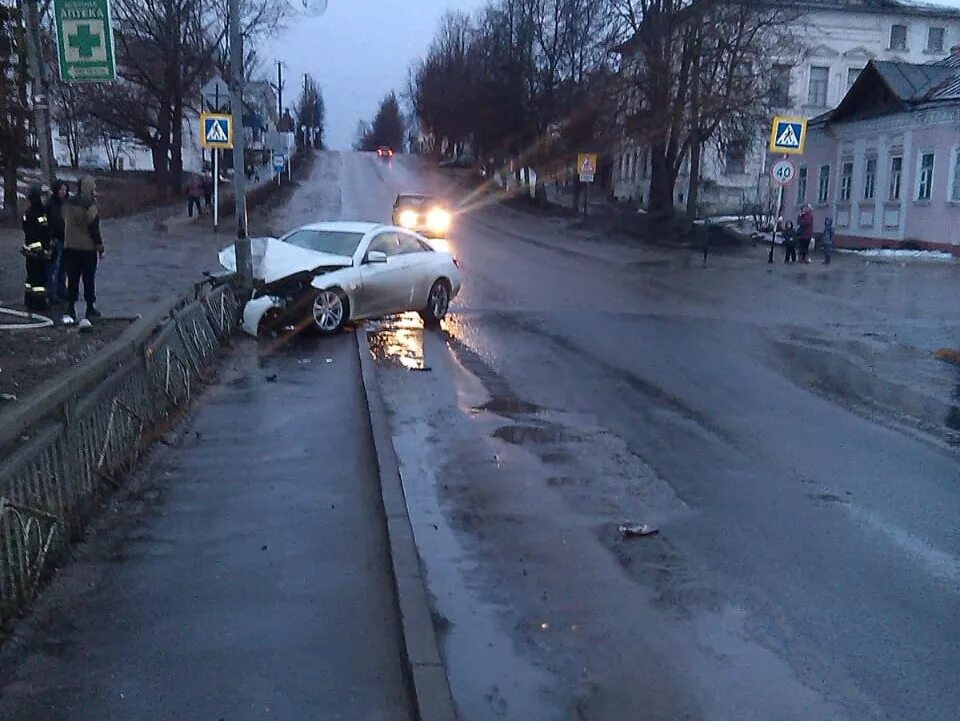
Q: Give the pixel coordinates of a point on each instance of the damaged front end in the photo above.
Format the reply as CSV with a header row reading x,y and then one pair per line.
x,y
283,296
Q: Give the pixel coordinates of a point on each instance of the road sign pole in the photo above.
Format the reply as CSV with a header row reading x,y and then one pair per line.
x,y
776,218
216,189
38,89
242,244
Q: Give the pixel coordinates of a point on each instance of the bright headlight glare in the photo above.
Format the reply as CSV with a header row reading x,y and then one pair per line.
x,y
408,219
438,220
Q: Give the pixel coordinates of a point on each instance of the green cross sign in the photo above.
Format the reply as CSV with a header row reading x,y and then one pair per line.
x,y
85,41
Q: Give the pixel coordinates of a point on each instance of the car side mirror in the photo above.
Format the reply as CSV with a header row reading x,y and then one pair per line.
x,y
376,256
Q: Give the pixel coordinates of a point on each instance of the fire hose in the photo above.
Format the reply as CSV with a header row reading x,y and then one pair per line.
x,y
34,321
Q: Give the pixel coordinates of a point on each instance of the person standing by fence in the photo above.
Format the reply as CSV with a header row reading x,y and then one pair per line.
x,y
82,248
56,270
36,251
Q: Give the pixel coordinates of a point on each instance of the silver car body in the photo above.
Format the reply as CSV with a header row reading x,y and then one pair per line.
x,y
400,284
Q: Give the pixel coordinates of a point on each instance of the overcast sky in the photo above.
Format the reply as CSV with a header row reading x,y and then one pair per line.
x,y
360,50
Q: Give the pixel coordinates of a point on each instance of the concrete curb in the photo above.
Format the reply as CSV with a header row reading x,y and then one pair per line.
x,y
433,700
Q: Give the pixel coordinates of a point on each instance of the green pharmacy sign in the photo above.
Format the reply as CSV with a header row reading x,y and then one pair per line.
x,y
85,41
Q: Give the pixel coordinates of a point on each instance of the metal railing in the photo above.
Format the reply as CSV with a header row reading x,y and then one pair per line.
x,y
74,448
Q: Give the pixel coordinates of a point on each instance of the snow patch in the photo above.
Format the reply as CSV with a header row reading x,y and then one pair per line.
x,y
892,254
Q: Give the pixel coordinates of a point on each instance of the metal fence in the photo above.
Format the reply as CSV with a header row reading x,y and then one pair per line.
x,y
54,476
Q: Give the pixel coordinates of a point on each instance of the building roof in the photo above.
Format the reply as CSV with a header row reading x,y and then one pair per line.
x,y
889,87
891,7
911,82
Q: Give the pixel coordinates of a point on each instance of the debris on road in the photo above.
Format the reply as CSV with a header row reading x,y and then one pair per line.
x,y
638,529
948,355
272,378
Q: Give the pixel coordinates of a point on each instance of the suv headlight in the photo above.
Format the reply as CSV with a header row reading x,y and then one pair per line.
x,y
438,220
408,219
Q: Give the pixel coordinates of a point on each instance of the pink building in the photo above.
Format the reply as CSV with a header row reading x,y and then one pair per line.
x,y
885,163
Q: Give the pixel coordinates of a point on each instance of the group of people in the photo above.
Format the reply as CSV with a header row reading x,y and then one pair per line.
x,y
62,247
801,235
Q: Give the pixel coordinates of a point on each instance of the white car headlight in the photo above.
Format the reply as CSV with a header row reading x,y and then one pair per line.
x,y
408,219
438,221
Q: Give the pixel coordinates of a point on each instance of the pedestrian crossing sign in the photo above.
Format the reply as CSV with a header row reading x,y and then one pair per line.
x,y
788,135
586,166
216,131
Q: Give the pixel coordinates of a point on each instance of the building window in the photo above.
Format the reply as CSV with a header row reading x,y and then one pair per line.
x,y
870,179
935,40
898,37
955,185
896,171
735,162
801,186
823,184
636,164
780,86
846,181
925,178
852,75
817,90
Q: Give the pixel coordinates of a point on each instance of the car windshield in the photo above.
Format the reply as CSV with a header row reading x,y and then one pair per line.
x,y
325,241
417,200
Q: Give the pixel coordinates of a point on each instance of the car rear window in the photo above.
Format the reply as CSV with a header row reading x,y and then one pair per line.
x,y
325,241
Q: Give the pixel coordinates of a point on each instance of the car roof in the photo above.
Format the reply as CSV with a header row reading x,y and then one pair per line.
x,y
344,227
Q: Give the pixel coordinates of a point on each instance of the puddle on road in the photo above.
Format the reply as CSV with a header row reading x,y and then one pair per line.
x,y
521,435
508,407
398,342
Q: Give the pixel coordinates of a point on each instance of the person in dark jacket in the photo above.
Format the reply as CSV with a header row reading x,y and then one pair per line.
x,y
194,195
805,232
827,240
36,251
56,271
82,248
789,243
208,190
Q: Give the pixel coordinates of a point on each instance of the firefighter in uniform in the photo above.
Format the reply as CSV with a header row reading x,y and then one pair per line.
x,y
36,250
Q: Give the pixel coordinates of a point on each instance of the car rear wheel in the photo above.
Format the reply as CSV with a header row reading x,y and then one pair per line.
x,y
438,303
329,311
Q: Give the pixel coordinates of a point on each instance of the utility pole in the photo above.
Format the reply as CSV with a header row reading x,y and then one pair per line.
x,y
279,89
242,244
38,88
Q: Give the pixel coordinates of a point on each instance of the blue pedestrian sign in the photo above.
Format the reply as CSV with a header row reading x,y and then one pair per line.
x,y
216,131
279,163
788,135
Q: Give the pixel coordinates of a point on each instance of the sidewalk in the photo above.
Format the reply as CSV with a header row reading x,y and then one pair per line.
x,y
253,580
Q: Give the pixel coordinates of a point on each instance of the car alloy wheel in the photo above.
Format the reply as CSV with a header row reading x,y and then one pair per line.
x,y
328,311
439,302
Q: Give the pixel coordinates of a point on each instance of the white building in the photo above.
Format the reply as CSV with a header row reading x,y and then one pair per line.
x,y
839,37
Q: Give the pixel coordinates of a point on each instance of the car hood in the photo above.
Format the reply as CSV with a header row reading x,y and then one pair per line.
x,y
275,260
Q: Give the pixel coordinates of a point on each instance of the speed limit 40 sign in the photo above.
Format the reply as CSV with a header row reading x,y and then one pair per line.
x,y
783,172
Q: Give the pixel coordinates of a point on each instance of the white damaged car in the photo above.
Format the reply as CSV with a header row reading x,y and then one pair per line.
x,y
327,274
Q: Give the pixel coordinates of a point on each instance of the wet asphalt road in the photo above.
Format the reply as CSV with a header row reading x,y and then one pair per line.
x,y
786,428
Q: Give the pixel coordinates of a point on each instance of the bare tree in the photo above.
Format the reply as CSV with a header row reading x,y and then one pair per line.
x,y
694,72
310,111
13,104
165,48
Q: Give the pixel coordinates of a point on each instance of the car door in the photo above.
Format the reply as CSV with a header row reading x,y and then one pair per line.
x,y
382,284
417,271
